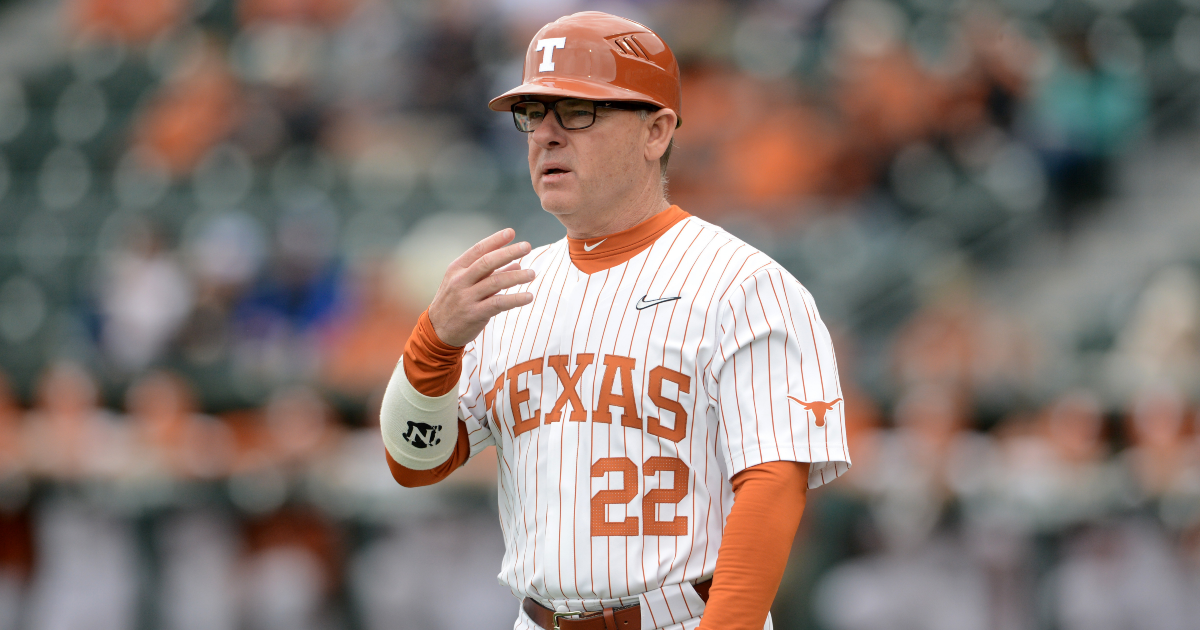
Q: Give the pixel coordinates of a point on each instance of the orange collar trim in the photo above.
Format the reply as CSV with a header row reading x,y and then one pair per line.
x,y
592,255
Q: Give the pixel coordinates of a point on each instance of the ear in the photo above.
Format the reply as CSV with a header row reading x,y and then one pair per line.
x,y
661,128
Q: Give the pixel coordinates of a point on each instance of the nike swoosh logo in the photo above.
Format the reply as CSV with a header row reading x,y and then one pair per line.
x,y
643,303
588,248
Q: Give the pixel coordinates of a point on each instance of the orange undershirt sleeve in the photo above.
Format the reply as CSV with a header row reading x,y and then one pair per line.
x,y
433,367
768,501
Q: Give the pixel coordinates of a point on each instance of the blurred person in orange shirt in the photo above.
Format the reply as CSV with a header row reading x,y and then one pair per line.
x,y
360,350
316,12
749,141
131,21
192,112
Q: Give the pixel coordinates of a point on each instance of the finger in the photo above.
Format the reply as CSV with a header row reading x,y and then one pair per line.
x,y
498,282
506,301
513,267
492,261
489,244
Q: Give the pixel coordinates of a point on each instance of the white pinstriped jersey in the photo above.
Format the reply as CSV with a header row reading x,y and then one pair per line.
x,y
622,402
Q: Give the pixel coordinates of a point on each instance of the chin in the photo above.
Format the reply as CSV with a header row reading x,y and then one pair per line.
x,y
557,202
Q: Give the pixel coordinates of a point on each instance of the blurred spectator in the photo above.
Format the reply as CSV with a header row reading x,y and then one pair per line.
x,y
1161,460
198,555
1119,577
1002,61
364,345
172,440
191,113
937,344
16,565
290,571
958,341
321,12
458,553
12,457
1160,343
86,574
921,463
449,79
1058,473
16,537
68,436
144,298
300,425
280,319
224,257
134,21
920,578
936,588
1087,107
275,446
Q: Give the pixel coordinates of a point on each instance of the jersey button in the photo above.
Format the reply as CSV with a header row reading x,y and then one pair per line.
x,y
562,608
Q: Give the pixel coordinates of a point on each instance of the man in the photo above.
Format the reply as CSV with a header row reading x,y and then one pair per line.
x,y
659,393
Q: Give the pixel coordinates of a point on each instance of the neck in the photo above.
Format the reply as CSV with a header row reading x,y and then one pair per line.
x,y
642,205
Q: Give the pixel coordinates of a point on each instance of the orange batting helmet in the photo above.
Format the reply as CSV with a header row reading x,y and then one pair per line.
x,y
600,57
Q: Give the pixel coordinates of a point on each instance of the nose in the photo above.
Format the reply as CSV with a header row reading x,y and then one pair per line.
x,y
549,134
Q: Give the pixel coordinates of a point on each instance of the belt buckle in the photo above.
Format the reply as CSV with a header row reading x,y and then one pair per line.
x,y
564,614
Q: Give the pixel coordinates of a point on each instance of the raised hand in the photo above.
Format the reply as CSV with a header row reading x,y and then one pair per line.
x,y
469,295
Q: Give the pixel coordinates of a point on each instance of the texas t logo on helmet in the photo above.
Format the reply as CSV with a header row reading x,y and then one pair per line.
x,y
548,46
599,57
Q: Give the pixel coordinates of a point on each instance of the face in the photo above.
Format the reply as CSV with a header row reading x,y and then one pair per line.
x,y
588,170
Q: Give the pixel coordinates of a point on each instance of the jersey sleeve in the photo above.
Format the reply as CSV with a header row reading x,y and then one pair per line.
x,y
472,409
775,376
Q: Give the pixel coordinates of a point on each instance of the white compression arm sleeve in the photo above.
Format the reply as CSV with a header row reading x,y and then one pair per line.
x,y
418,430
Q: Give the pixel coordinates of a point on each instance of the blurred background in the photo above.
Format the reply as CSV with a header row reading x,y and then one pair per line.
x,y
219,220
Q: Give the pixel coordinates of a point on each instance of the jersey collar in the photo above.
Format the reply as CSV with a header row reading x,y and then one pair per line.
x,y
597,254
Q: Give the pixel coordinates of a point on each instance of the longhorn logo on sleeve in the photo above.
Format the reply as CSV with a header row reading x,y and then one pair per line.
x,y
818,408
422,435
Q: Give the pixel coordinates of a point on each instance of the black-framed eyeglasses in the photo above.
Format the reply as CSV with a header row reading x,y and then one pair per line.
x,y
572,113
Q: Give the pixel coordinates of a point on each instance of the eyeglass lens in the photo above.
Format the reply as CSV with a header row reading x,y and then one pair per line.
x,y
572,114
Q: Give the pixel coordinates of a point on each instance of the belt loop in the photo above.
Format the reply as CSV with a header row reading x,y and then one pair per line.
x,y
610,621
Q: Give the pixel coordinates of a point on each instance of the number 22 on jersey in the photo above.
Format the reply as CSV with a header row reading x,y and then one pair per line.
x,y
628,471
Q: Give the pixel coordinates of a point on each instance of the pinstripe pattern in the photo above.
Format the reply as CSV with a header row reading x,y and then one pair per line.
x,y
743,336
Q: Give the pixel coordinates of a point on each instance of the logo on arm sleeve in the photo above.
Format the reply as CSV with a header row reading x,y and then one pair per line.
x,y
818,408
422,435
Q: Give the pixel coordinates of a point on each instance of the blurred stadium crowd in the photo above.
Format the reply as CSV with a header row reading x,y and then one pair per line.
x,y
219,220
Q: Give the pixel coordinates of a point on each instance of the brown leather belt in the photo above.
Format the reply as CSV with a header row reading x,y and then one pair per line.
x,y
627,618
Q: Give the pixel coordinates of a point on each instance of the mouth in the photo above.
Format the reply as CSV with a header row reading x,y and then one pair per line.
x,y
550,171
